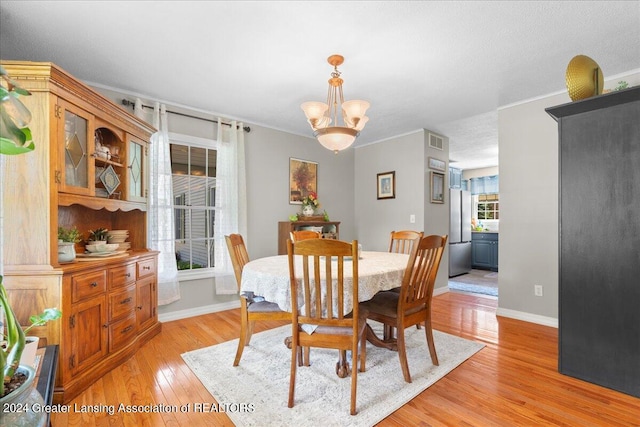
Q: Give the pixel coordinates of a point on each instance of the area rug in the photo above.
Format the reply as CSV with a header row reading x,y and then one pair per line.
x,y
476,281
255,393
476,289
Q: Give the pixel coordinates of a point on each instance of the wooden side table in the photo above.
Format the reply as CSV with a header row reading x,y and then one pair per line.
x,y
46,374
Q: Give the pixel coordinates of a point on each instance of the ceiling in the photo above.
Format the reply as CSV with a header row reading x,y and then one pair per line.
x,y
443,66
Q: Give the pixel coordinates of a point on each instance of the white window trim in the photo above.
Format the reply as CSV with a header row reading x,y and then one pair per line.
x,y
194,141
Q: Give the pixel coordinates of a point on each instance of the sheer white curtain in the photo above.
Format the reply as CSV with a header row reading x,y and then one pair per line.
x,y
160,232
231,200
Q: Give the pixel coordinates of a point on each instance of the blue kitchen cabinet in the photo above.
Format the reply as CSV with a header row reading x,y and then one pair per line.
x,y
484,251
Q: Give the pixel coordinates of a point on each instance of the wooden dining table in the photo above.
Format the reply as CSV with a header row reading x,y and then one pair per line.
x,y
377,271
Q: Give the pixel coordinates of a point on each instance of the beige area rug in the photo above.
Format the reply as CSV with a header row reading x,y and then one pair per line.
x,y
255,393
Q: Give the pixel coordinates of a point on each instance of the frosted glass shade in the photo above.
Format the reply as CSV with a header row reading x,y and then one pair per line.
x,y
355,109
336,138
314,111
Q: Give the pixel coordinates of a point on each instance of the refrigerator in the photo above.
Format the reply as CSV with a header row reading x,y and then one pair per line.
x,y
459,232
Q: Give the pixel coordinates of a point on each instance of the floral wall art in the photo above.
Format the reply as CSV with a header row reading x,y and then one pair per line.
x,y
303,179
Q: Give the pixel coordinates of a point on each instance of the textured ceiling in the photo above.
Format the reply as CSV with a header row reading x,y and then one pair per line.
x,y
443,66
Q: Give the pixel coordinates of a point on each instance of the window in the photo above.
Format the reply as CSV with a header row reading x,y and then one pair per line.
x,y
488,206
193,171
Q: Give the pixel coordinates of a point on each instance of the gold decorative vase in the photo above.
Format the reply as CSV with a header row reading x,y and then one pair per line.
x,y
584,78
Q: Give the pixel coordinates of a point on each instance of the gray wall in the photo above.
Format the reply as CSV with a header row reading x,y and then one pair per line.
x,y
347,189
406,155
267,153
528,255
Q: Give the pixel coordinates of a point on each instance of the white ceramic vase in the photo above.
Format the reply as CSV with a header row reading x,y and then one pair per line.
x,y
307,210
66,251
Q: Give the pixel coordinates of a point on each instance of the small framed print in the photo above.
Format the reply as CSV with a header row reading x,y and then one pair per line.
x,y
387,185
436,164
437,187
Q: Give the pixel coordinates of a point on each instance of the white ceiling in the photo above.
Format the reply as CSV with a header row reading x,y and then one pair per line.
x,y
442,66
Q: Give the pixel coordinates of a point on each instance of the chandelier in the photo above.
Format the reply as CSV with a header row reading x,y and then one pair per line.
x,y
321,115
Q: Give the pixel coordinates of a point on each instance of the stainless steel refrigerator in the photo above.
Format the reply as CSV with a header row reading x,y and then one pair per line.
x,y
460,232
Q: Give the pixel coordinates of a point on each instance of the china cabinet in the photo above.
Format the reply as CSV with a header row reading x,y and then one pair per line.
x,y
599,231
89,171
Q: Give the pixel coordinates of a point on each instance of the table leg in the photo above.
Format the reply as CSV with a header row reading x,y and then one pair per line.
x,y
390,344
342,366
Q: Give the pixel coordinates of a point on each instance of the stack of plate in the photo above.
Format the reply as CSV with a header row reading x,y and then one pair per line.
x,y
119,237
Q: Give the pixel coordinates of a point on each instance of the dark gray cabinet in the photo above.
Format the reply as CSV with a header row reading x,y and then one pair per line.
x,y
484,251
599,237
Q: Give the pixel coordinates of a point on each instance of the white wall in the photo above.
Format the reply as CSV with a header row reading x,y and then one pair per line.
x,y
528,255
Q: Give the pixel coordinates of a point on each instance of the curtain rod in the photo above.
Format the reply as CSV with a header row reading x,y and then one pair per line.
x,y
132,105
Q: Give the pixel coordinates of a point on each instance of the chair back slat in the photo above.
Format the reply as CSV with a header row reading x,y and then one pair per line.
x,y
322,280
238,254
421,272
403,242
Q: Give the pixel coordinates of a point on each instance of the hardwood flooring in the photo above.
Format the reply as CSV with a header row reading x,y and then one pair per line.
x,y
513,381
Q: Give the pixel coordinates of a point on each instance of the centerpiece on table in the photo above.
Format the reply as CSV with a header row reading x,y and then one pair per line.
x,y
309,204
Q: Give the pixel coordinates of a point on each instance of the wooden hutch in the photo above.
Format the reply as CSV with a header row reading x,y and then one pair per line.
x,y
330,229
109,306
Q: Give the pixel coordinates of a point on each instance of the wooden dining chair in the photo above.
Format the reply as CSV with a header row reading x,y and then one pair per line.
x,y
321,288
252,307
402,242
412,305
299,235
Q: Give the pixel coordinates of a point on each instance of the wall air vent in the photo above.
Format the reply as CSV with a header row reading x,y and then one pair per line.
x,y
435,141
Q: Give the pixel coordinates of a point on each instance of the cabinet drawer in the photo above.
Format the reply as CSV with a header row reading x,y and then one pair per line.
x,y
484,236
122,332
122,276
146,267
122,303
87,285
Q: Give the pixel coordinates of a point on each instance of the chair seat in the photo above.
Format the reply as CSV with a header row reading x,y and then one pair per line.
x,y
263,307
386,304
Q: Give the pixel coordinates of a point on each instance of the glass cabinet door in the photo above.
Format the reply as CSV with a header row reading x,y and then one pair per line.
x,y
75,147
136,170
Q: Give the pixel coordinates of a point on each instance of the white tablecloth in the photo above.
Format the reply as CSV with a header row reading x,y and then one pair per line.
x,y
377,271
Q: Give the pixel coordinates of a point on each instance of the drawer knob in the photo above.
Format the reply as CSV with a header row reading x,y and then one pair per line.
x,y
126,301
94,284
146,267
128,275
127,329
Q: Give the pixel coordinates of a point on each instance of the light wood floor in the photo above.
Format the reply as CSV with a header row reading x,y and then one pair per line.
x,y
513,381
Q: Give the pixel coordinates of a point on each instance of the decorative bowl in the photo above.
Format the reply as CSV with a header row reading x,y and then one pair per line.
x,y
97,247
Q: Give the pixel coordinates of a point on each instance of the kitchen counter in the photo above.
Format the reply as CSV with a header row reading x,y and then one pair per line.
x,y
494,232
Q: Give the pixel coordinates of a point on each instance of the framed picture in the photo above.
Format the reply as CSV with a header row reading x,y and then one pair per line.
x,y
436,164
387,185
437,187
303,179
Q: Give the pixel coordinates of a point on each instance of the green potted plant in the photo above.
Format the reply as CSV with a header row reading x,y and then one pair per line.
x,y
15,135
98,235
31,346
67,239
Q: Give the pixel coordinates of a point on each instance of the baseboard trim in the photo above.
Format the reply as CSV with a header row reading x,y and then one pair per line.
x,y
197,311
527,317
440,290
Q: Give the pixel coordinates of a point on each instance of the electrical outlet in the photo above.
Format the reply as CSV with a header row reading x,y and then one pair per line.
x,y
537,290
412,219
